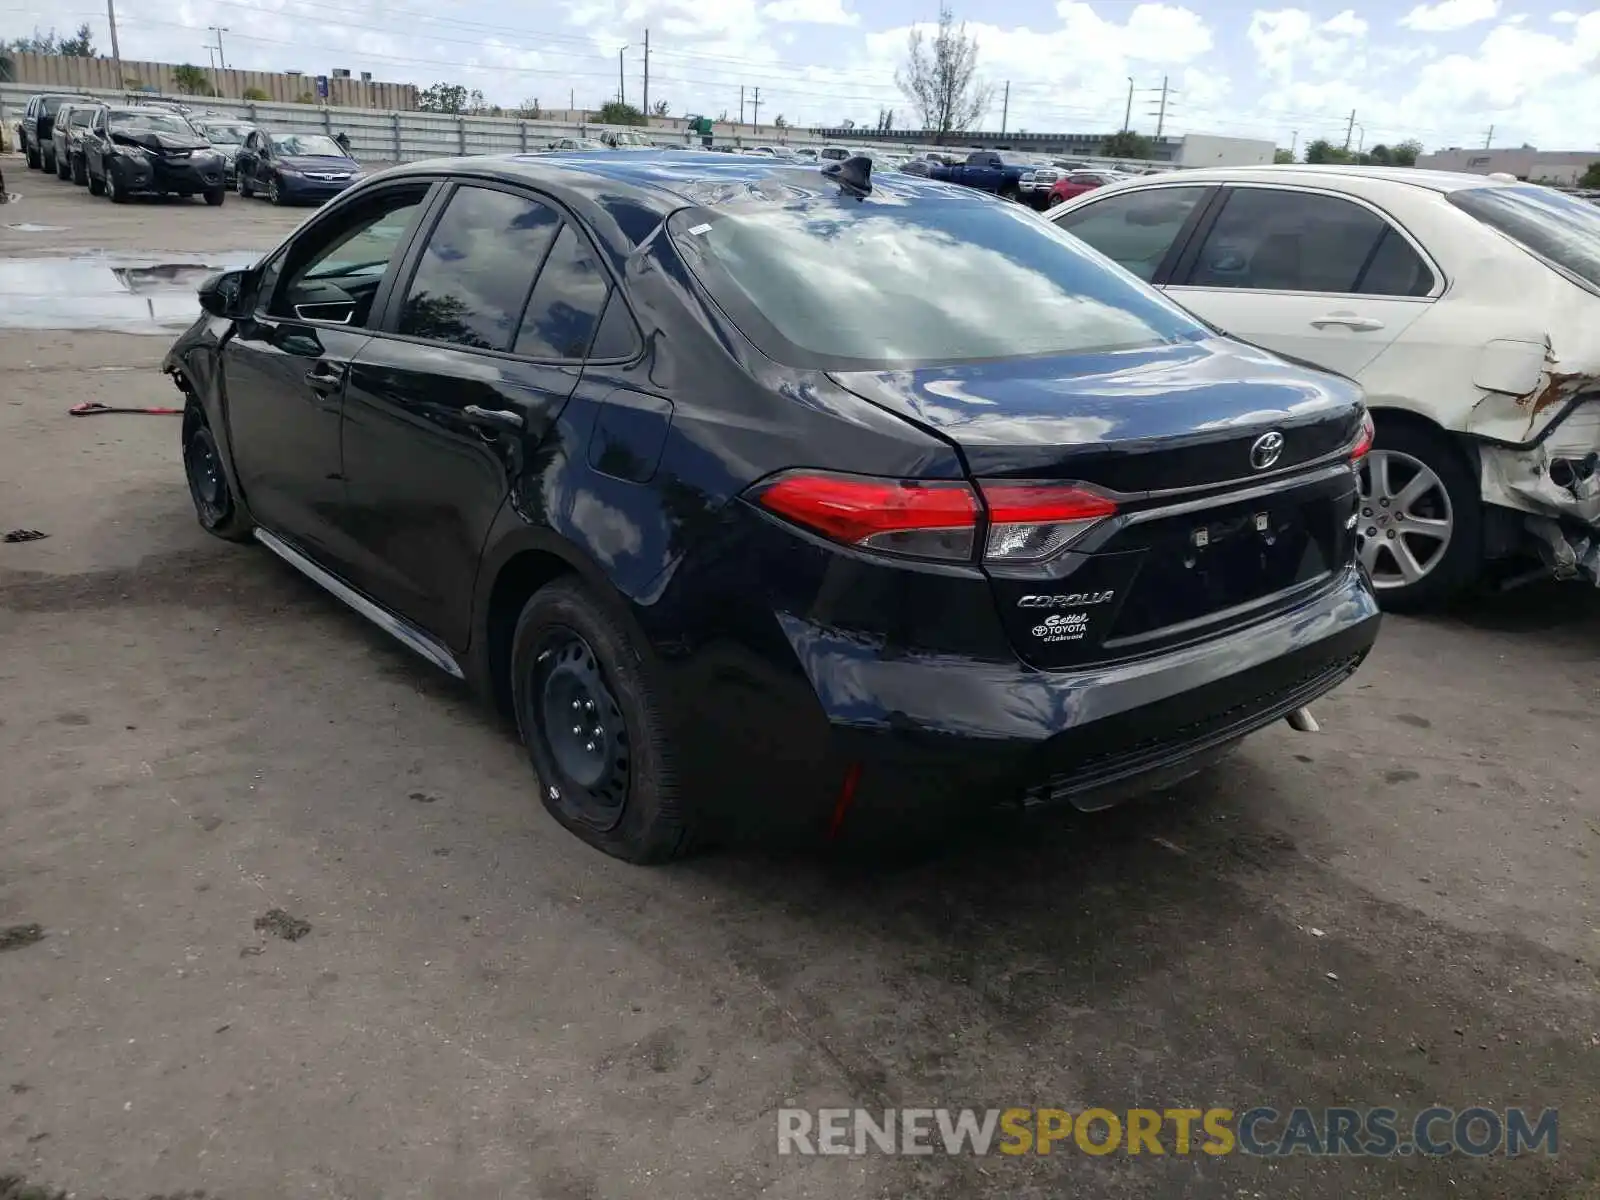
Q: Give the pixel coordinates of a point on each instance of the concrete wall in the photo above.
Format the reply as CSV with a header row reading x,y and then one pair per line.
x,y
1163,150
56,71
1558,166
1209,150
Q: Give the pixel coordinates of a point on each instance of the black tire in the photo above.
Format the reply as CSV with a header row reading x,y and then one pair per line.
x,y
114,193
80,174
1460,564
1011,192
47,158
97,184
245,190
33,159
63,168
214,504
274,192
216,196
569,645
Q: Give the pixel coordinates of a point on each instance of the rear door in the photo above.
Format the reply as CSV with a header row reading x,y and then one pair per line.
x,y
1322,277
1142,231
480,350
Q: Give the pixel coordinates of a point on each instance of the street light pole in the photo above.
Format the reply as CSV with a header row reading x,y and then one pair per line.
x,y
1127,113
622,87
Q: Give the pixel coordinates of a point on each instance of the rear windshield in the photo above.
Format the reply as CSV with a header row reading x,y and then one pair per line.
x,y
1560,229
52,104
892,281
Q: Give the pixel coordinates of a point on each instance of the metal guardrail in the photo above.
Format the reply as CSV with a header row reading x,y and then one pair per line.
x,y
387,136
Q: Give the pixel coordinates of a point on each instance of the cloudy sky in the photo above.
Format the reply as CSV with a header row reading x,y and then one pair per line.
x,y
1442,72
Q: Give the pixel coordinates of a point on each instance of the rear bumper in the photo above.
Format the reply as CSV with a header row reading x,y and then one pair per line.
x,y
921,737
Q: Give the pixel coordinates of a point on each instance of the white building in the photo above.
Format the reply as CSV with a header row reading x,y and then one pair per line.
x,y
1538,166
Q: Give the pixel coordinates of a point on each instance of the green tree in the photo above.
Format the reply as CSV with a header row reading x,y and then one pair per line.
x,y
940,77
305,98
1127,144
1322,150
443,98
1380,155
529,110
618,113
254,93
1283,156
885,120
779,122
191,80
1590,177
1405,153
8,63
79,45
660,108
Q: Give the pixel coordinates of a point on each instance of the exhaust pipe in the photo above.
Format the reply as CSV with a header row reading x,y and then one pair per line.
x,y
1302,721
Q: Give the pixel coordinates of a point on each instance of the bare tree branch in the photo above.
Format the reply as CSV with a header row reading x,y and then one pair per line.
x,y
940,77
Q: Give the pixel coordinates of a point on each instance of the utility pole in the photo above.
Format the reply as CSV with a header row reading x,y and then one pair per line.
x,y
741,104
222,59
1005,108
1294,143
1488,138
622,88
1160,114
116,53
755,109
1127,113
647,76
1350,129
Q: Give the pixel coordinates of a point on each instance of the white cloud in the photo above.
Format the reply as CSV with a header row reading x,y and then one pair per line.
x,y
1564,17
1289,42
1449,15
1346,23
810,12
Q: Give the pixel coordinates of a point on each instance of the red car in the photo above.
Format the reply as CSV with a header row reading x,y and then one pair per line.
x,y
1078,182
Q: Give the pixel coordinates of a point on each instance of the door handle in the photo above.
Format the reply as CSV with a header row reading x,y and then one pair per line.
x,y
492,418
1349,321
325,378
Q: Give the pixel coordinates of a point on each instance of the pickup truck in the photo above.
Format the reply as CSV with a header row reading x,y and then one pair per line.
x,y
987,171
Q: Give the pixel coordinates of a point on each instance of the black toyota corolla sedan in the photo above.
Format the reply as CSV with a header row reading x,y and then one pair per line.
x,y
763,495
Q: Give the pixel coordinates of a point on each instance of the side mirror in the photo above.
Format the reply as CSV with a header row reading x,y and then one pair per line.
x,y
221,294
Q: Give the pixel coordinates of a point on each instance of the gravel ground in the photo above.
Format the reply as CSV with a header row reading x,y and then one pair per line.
x,y
304,929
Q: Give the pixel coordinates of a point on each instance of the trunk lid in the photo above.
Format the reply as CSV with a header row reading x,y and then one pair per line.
x,y
1212,530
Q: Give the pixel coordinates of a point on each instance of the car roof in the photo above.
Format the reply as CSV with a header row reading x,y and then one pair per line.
x,y
1437,181
666,180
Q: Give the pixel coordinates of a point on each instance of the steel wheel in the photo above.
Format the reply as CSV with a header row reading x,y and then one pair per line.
x,y
274,195
582,727
202,465
1406,518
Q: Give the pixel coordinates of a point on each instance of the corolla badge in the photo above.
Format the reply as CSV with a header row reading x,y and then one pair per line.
x,y
1065,600
1265,450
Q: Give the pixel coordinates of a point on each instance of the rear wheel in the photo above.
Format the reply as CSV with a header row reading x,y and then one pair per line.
x,y
63,168
97,184
243,184
33,159
48,158
1421,517
215,196
588,706
80,175
214,504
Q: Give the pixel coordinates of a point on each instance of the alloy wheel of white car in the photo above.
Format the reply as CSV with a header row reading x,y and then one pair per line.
x,y
1405,520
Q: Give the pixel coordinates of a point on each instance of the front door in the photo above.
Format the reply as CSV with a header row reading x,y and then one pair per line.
x,y
285,366
1309,274
479,352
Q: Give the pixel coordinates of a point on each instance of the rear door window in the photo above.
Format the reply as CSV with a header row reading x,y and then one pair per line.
x,y
1136,229
1272,239
471,284
1561,230
566,303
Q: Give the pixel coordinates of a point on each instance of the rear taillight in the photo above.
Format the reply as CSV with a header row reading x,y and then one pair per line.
x,y
935,518
1363,441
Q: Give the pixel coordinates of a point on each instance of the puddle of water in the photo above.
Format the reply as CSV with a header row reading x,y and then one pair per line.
x,y
27,228
120,294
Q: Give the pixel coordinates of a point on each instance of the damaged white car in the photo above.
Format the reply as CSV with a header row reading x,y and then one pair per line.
x,y
1467,307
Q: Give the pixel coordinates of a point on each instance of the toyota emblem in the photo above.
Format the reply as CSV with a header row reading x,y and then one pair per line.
x,y
1264,451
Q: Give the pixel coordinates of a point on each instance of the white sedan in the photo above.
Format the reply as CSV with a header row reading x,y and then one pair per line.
x,y
1467,307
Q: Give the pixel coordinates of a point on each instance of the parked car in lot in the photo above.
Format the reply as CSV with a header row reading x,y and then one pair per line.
x,y
38,126
293,168
130,150
1076,183
986,170
227,136
574,143
1468,309
72,122
734,539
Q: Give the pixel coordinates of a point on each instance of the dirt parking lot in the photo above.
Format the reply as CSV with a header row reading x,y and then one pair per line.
x,y
1400,910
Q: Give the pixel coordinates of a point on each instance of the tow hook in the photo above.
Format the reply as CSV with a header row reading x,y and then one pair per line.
x,y
1302,721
